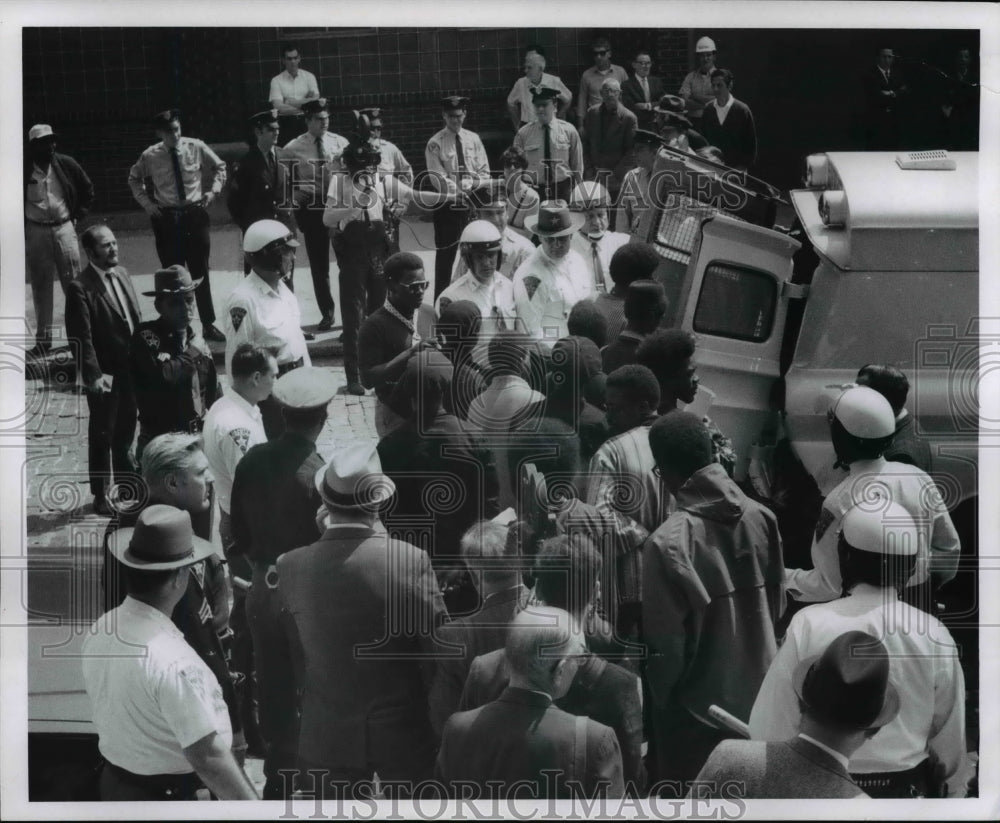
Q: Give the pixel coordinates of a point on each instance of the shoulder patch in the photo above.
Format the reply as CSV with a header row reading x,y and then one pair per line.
x,y
241,437
151,338
434,147
531,284
826,518
236,314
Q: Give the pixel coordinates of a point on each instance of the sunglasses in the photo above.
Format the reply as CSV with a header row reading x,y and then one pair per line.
x,y
418,287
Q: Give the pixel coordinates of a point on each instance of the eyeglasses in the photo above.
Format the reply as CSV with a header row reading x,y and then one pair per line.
x,y
417,287
599,52
644,62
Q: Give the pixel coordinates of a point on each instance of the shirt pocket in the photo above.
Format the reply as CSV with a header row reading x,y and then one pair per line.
x,y
533,145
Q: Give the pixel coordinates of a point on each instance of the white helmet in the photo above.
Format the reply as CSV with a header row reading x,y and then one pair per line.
x,y
880,529
265,233
481,233
703,45
589,194
864,413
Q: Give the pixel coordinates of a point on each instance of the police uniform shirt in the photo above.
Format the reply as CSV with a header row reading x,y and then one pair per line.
x,y
442,159
604,248
923,667
304,152
265,316
150,693
561,284
514,250
157,164
46,200
393,161
494,299
346,202
175,382
938,548
565,149
232,427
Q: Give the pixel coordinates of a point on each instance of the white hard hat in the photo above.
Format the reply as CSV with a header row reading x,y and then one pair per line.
x,y
864,413
885,528
704,44
264,233
481,231
589,194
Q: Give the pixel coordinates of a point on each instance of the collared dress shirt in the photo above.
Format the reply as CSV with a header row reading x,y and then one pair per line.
x,y
152,695
45,201
392,160
157,164
520,94
514,250
565,150
305,153
441,157
232,426
923,667
265,316
561,284
284,86
597,255
494,299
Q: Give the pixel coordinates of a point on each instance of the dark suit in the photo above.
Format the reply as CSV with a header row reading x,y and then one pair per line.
x,y
512,740
792,769
632,94
95,323
607,144
882,112
360,609
601,691
259,191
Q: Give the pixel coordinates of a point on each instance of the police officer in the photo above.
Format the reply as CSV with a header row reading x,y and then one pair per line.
x,y
552,147
171,365
392,161
262,310
273,510
457,163
490,204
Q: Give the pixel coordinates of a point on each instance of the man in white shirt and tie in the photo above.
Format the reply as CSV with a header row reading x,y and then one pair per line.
x,y
593,242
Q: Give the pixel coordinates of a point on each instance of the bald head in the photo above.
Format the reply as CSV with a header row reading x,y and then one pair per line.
x,y
542,643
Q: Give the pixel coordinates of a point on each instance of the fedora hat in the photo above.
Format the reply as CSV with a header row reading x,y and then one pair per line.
x,y
672,107
353,478
554,219
848,685
173,280
162,539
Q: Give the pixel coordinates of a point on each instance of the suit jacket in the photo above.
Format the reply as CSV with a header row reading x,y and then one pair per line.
x,y
791,769
361,610
77,188
874,83
96,324
256,193
608,141
602,691
632,94
520,734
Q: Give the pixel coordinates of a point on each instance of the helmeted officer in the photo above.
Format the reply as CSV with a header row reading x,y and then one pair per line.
x,y
263,311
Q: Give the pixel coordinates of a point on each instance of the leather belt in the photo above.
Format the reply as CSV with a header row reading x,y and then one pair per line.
x,y
170,786
284,368
49,224
191,205
909,783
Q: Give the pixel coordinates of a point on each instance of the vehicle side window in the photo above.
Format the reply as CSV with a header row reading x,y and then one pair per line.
x,y
736,302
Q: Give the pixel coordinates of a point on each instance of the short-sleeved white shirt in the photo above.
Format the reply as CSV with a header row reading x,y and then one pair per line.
x,y
152,695
284,86
607,245
265,316
561,285
232,426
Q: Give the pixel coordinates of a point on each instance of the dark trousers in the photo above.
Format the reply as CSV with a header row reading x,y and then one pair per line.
x,y
119,784
276,691
449,220
361,251
182,238
317,240
110,433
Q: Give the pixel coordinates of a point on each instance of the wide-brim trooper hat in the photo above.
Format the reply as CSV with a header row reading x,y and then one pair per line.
x,y
265,235
162,539
172,280
353,478
554,219
864,413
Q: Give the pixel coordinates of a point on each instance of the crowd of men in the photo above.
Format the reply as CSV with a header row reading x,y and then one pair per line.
x,y
543,579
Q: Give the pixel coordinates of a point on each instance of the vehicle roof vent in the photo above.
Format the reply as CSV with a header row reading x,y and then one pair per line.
x,y
936,160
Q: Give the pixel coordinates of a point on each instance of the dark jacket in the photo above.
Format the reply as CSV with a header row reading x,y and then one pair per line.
x,y
792,769
608,141
164,374
255,193
736,138
77,188
632,94
601,691
909,447
521,734
95,324
361,609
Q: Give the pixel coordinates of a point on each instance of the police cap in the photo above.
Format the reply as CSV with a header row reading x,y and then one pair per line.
x,y
162,119
265,118
543,95
455,102
305,388
316,106
373,114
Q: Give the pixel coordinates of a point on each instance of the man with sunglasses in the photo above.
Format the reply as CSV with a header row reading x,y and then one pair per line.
x,y
392,162
594,77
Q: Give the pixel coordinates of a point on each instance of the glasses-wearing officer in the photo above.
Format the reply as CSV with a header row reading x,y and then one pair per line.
x,y
263,311
391,162
171,365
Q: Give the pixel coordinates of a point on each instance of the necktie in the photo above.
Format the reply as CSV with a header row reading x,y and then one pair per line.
x,y
321,155
460,153
120,299
598,268
547,162
645,88
196,401
175,157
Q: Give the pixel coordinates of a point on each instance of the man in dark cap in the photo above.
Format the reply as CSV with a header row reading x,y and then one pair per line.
x,y
645,305
273,510
391,162
177,207
170,364
57,193
457,163
158,709
317,155
674,126
552,147
845,698
259,188
922,751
